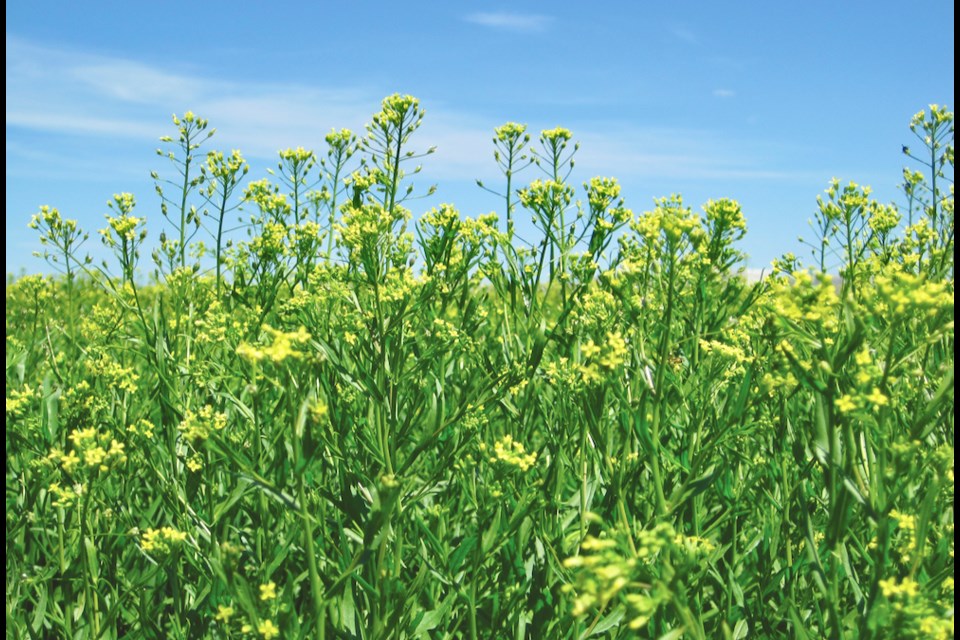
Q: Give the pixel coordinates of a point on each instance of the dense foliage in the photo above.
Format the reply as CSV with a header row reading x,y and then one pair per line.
x,y
351,424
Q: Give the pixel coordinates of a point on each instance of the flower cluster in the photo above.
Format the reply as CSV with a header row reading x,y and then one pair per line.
x,y
91,450
161,541
198,425
512,453
282,345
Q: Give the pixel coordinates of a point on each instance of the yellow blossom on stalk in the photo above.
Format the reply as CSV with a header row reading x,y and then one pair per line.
x,y
297,156
95,456
615,351
225,169
96,450
601,192
604,573
224,613
562,373
892,588
64,496
280,348
510,452
589,350
675,219
694,543
810,297
605,570
80,437
899,293
318,410
845,403
17,400
877,398
556,135
268,591
50,217
730,351
510,133
198,425
905,520
725,213
272,241
161,541
142,427
69,461
907,534
589,373
268,630
546,196
398,110
113,373
124,226
936,628
340,139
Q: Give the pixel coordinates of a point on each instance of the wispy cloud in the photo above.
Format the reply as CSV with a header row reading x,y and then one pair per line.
x,y
652,153
80,94
685,35
521,22
55,121
724,93
134,82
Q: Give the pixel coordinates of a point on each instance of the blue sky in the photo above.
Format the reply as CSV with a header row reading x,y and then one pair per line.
x,y
763,102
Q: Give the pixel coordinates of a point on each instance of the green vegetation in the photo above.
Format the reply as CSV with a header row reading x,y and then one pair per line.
x,y
351,424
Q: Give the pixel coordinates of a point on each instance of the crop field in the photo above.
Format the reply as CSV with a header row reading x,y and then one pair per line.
x,y
349,418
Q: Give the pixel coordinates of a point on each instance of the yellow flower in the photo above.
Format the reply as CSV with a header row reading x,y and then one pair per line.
x,y
845,404
511,452
224,613
281,348
200,424
161,540
69,461
877,398
589,350
893,589
268,591
268,630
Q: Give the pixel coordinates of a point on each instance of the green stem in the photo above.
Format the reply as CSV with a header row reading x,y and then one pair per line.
x,y
583,481
223,213
183,200
316,587
664,353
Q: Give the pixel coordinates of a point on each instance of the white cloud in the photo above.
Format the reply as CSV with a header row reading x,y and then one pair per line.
x,y
135,82
524,22
81,94
675,154
77,93
685,35
724,93
754,274
78,124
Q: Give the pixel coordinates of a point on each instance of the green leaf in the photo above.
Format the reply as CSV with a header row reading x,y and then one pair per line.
x,y
492,534
93,564
609,621
464,549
